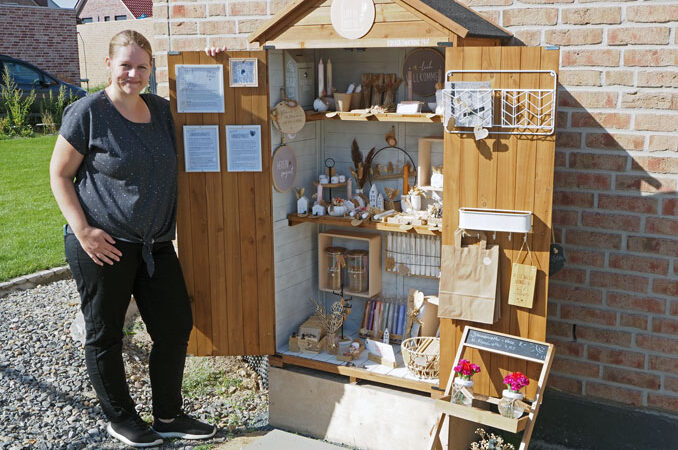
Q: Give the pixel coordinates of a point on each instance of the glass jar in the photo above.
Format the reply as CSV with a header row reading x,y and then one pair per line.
x,y
357,270
335,257
458,395
508,405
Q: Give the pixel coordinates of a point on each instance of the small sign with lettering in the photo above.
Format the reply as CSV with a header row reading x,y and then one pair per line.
x,y
424,67
284,168
523,281
524,348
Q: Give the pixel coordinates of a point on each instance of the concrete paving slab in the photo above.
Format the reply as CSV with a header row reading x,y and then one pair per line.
x,y
282,440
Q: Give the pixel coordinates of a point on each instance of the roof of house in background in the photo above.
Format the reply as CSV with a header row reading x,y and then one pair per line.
x,y
67,4
140,8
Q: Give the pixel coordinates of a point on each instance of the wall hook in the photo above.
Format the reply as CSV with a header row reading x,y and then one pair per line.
x,y
510,236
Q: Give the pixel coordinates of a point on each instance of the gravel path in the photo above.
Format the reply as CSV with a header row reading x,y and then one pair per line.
x,y
46,400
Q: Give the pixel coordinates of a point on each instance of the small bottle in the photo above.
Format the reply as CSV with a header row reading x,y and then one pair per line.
x,y
386,337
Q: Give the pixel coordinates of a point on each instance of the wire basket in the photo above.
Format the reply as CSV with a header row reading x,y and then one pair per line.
x,y
422,356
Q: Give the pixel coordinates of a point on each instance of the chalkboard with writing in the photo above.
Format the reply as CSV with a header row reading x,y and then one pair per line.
x,y
507,344
423,68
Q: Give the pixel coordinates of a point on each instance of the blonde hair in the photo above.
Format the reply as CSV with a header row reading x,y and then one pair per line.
x,y
129,37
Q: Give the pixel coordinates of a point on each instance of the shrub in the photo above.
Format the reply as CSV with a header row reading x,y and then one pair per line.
x,y
52,109
15,107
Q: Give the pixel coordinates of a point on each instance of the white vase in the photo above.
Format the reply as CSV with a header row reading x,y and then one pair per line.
x,y
458,396
507,404
415,201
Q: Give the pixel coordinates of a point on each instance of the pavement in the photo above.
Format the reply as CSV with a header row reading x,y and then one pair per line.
x,y
276,440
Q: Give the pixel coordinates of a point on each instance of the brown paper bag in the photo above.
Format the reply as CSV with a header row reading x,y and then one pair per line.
x,y
469,281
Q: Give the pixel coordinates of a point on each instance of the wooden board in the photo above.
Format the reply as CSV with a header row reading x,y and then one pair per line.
x,y
500,172
225,228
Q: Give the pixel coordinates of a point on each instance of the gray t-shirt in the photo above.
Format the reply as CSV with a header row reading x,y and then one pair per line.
x,y
127,182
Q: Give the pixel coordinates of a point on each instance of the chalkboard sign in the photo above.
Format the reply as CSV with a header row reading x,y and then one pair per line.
x,y
425,68
499,342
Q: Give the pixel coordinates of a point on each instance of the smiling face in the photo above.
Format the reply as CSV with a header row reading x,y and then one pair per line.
x,y
130,68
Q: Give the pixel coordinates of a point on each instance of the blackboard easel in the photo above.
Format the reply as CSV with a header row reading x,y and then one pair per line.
x,y
462,416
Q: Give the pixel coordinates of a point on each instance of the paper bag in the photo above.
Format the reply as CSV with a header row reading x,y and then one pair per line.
x,y
469,281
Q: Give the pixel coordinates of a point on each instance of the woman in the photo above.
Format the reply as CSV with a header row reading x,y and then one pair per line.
x,y
119,147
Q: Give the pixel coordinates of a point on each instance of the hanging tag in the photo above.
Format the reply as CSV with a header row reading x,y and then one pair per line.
x,y
479,132
523,281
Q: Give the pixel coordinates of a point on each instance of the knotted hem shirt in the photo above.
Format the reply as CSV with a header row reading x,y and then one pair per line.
x,y
127,182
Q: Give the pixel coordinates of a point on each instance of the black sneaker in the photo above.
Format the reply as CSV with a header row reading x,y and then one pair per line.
x,y
134,432
184,427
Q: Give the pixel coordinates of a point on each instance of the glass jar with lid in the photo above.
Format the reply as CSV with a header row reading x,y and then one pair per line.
x,y
356,261
335,263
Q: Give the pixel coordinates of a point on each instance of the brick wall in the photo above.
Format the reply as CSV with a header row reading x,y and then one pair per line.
x,y
613,311
45,37
93,47
98,9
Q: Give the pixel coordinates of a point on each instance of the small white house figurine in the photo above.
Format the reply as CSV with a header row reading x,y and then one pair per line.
x,y
380,201
318,210
373,196
302,201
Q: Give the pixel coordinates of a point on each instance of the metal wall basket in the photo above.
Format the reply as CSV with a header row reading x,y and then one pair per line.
x,y
504,111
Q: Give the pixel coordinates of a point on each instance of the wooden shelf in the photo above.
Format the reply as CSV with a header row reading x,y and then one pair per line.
x,y
381,117
483,416
294,219
355,373
373,267
330,185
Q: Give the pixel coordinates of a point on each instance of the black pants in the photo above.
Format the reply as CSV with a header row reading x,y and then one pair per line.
x,y
165,308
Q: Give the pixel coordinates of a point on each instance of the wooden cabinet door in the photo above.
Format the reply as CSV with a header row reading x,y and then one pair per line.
x,y
225,225
502,172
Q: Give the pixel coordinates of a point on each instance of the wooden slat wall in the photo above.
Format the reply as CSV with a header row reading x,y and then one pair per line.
x,y
225,227
501,172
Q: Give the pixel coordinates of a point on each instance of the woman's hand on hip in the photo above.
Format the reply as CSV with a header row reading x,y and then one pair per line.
x,y
98,245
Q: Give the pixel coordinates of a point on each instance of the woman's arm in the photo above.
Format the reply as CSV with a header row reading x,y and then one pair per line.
x,y
62,169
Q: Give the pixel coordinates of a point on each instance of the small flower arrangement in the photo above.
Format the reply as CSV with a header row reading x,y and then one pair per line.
x,y
515,381
490,441
465,369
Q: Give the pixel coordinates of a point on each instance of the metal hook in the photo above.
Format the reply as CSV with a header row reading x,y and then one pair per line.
x,y
510,236
494,236
525,238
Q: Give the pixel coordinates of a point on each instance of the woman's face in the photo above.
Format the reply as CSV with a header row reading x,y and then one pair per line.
x,y
130,69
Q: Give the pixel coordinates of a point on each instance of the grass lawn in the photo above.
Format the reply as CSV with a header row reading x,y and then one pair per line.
x,y
31,237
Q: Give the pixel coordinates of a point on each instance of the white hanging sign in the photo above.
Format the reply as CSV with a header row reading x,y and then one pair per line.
x,y
352,19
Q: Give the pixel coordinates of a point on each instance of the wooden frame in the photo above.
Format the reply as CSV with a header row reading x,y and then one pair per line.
x,y
484,416
374,259
252,76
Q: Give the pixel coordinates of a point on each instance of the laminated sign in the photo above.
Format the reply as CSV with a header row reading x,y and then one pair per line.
x,y
523,281
469,281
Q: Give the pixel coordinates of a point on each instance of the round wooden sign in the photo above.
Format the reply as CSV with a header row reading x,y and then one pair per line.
x,y
284,168
352,19
288,117
427,67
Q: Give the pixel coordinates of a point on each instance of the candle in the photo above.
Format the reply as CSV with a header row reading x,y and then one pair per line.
x,y
319,193
329,77
349,188
321,79
409,85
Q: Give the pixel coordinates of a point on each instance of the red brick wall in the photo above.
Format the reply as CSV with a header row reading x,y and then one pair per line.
x,y
98,9
45,37
613,311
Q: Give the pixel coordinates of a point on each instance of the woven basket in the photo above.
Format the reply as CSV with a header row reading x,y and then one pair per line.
x,y
422,356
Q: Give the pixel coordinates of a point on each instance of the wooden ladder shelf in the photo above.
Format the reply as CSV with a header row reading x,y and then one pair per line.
x,y
502,344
